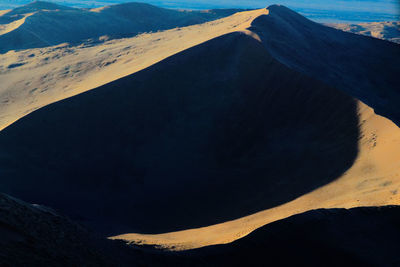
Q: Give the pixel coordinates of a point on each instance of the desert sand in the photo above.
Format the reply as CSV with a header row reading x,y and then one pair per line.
x,y
55,73
6,28
34,78
2,12
386,30
373,180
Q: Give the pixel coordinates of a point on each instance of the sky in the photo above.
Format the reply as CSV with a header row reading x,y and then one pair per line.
x,y
319,10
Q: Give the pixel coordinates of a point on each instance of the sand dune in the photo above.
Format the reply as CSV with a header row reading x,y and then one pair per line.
x,y
373,180
2,12
6,28
34,78
50,24
154,153
387,30
361,66
197,145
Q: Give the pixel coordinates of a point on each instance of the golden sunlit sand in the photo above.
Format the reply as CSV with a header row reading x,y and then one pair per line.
x,y
34,78
37,77
2,12
6,28
373,180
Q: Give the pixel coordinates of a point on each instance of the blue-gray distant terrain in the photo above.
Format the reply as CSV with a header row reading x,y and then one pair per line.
x,y
53,24
319,10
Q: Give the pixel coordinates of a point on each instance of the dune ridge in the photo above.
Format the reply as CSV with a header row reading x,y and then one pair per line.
x,y
63,71
259,58
373,180
13,25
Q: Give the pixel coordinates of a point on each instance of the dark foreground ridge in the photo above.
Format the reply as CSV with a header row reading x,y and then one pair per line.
x,y
332,237
215,133
38,236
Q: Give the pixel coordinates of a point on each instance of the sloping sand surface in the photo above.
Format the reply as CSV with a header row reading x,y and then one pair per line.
x,y
183,139
351,160
34,78
6,28
363,67
2,12
373,180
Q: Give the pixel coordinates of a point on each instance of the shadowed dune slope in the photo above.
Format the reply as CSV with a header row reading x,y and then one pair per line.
x,y
33,78
335,237
365,67
214,133
53,24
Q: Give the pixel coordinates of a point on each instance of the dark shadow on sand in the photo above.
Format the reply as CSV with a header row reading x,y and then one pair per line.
x,y
214,133
364,67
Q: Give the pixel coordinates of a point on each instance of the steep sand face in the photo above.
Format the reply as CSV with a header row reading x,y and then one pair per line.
x,y
6,28
2,12
373,180
362,66
187,152
34,78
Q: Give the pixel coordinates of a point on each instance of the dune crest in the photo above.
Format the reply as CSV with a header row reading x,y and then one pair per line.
x,y
373,180
63,71
186,127
6,28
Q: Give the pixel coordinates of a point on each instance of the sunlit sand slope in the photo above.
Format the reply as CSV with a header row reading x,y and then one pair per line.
x,y
373,180
221,138
211,134
33,78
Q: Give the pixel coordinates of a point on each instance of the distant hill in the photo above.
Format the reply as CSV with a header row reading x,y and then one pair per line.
x,y
46,24
388,30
